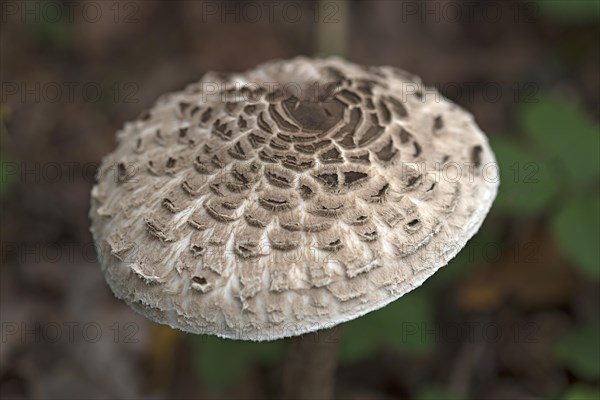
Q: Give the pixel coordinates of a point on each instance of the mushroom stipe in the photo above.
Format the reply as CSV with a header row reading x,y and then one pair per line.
x,y
289,198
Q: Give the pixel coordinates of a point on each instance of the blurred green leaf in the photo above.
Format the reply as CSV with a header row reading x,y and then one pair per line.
x,y
576,228
579,351
570,10
405,325
5,114
566,133
220,362
51,26
526,186
436,393
7,174
581,392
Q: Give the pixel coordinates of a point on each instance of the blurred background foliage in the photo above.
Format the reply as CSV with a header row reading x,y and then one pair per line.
x,y
531,273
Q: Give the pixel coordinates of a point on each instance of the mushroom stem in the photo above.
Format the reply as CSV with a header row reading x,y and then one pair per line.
x,y
309,369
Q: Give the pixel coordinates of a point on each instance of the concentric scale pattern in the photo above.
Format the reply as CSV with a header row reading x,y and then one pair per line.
x,y
288,198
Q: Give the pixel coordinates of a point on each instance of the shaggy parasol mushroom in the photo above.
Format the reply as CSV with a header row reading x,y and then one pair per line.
x,y
289,198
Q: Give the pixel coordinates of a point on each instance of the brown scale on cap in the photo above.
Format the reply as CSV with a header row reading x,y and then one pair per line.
x,y
248,207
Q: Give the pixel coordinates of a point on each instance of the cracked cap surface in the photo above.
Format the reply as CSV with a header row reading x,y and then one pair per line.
x,y
288,198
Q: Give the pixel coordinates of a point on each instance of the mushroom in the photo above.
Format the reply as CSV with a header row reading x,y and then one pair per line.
x,y
289,198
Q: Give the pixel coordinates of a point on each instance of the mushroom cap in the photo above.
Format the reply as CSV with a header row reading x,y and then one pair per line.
x,y
288,198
